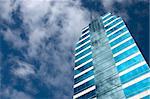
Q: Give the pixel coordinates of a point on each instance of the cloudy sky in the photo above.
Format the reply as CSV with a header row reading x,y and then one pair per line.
x,y
37,40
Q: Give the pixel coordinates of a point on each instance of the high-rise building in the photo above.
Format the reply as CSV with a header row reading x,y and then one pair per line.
x,y
108,63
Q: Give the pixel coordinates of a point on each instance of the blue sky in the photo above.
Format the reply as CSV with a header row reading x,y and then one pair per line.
x,y
37,40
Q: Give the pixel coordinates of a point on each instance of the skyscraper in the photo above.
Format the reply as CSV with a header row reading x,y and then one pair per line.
x,y
108,63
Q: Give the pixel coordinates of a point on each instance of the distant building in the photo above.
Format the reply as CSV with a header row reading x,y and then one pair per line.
x,y
108,63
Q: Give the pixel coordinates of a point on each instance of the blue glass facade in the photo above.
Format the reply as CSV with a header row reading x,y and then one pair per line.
x,y
108,63
83,71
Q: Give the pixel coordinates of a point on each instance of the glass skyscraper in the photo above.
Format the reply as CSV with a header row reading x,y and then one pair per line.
x,y
108,63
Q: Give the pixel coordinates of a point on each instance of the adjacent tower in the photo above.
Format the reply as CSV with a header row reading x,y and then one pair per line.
x,y
108,63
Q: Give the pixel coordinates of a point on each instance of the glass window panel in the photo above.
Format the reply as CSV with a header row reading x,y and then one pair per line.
x,y
107,17
120,39
100,66
107,85
130,63
100,50
101,57
137,88
118,33
83,60
116,93
88,95
84,76
126,54
83,53
85,31
106,76
83,68
84,86
146,97
115,28
81,48
85,35
122,46
114,17
83,41
118,20
134,74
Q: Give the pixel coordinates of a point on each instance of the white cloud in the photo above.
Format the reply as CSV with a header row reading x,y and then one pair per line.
x,y
50,21
13,37
109,7
9,93
108,4
6,8
70,13
23,69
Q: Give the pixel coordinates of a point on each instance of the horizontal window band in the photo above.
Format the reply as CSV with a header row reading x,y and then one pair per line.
x,y
116,28
83,53
115,25
84,81
111,22
88,95
132,68
131,62
82,44
83,39
112,47
83,72
123,46
84,92
105,16
83,76
82,35
83,64
134,74
141,95
128,58
76,60
134,81
107,19
117,37
86,66
82,50
126,54
127,35
85,28
137,88
84,31
83,60
125,49
84,86
116,31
